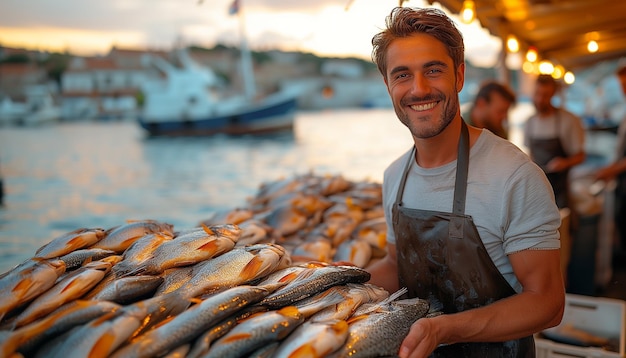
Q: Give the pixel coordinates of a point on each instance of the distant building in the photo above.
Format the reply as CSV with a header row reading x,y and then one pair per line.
x,y
105,87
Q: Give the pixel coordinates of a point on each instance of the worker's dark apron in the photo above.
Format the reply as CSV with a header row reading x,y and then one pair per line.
x,y
543,151
441,257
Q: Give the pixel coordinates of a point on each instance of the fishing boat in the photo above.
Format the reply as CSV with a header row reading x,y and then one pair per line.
x,y
190,101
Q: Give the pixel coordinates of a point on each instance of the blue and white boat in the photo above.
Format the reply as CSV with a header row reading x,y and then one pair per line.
x,y
188,101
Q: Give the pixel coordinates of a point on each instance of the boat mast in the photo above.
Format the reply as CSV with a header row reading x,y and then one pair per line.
x,y
247,71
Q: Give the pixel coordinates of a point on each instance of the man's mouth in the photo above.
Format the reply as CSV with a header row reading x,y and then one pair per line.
x,y
423,107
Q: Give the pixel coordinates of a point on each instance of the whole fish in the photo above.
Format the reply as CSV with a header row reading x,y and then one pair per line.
x,y
236,267
71,241
191,248
354,295
194,321
285,220
313,340
381,332
27,339
101,336
255,332
373,231
120,238
320,301
319,249
125,290
203,343
28,281
67,289
357,252
254,231
80,257
315,280
139,252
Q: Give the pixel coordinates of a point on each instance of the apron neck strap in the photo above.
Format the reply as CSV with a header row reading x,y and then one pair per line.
x,y
460,187
462,162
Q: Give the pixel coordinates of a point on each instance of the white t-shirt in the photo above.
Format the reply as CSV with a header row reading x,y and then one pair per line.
x,y
508,197
569,129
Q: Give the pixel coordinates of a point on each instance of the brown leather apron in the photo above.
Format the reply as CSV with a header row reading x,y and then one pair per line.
x,y
442,258
544,150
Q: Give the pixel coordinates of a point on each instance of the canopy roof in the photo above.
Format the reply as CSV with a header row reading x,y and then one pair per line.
x,y
558,29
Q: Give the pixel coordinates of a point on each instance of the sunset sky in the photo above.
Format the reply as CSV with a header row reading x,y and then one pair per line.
x,y
323,27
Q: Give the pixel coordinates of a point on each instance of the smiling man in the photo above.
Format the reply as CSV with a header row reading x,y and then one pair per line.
x,y
472,222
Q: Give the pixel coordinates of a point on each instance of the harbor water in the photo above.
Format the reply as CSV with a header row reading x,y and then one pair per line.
x,y
65,176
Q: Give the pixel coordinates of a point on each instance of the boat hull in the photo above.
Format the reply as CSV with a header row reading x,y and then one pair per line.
x,y
255,119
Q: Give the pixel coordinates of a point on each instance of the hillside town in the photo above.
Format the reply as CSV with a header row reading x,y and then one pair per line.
x,y
38,87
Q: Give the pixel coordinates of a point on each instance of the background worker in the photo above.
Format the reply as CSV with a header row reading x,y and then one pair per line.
x,y
491,108
555,139
472,222
617,170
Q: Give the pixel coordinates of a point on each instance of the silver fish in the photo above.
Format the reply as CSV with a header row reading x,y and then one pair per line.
x,y
314,340
125,290
238,266
101,336
202,344
380,333
354,295
254,231
80,257
71,241
255,332
120,238
191,248
139,252
67,289
192,322
357,252
26,339
28,281
315,280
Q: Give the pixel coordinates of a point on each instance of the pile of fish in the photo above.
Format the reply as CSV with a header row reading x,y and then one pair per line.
x,y
322,218
242,284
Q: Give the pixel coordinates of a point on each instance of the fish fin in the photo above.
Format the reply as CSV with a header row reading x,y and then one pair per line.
x,y
251,269
290,311
70,285
394,296
435,305
305,350
288,277
353,319
207,229
23,285
237,337
103,345
340,326
210,247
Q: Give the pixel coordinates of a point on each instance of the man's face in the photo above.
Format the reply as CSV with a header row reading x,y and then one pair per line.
x,y
423,84
495,111
543,96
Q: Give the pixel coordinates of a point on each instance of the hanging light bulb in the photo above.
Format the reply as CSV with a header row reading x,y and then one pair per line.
x,y
592,46
512,44
531,55
468,12
569,78
546,67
